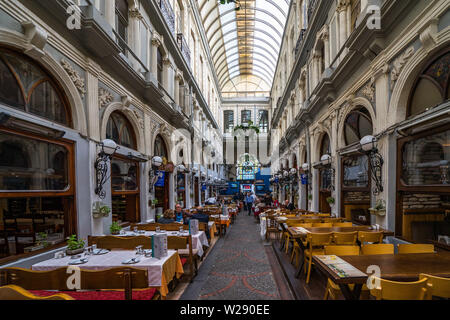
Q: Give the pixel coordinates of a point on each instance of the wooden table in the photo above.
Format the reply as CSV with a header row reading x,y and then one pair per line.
x,y
398,267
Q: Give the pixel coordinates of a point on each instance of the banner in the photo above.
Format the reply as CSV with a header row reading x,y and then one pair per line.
x,y
160,181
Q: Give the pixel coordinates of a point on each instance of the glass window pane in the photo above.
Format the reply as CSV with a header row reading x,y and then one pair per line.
x,y
426,160
124,175
10,92
356,172
426,95
28,164
45,102
119,129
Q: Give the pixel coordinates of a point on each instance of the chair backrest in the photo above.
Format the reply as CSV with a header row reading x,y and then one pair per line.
x,y
126,243
202,226
441,286
368,236
302,225
342,250
322,225
271,222
115,278
393,290
345,238
415,248
175,243
319,239
342,224
13,292
372,249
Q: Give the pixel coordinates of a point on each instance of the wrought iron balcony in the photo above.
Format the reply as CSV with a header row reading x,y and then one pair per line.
x,y
311,8
185,51
168,14
300,39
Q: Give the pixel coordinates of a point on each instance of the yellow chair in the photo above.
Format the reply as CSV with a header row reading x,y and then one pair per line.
x,y
393,290
441,286
316,242
323,225
345,238
372,249
343,224
13,292
296,248
415,248
333,290
371,237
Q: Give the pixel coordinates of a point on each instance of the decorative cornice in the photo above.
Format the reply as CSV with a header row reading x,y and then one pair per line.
x,y
104,97
157,39
126,101
74,76
369,90
342,5
428,34
36,37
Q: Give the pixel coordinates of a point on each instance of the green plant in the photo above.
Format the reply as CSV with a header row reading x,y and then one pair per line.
x,y
380,205
154,202
73,243
249,127
237,2
330,200
310,197
104,210
115,227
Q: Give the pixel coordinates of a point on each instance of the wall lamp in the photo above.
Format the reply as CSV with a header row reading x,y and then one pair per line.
x,y
157,161
108,148
368,146
328,171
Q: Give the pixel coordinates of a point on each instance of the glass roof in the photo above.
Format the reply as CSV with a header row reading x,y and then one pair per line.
x,y
244,43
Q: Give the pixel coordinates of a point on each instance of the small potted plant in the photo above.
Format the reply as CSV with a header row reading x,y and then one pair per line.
x,y
74,246
115,228
379,209
100,210
331,201
104,211
310,197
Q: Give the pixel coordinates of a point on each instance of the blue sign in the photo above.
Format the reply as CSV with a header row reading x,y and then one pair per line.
x,y
203,187
304,178
160,181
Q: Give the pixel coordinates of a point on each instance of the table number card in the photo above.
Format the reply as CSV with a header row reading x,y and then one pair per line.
x,y
342,268
159,245
193,226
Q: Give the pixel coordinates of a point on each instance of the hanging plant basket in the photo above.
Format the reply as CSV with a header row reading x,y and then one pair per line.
x,y
380,213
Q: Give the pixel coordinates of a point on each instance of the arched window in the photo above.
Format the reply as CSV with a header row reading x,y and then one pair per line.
x,y
120,130
26,86
160,147
432,86
358,124
325,147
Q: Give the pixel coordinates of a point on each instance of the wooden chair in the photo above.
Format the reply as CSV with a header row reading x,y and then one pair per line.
x,y
272,227
12,292
333,290
316,243
184,247
441,286
393,290
343,224
322,225
345,238
371,237
295,246
126,278
415,248
372,249
124,243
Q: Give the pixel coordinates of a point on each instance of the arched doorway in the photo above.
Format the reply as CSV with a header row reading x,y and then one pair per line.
x,y
37,171
423,175
324,177
162,185
125,188
355,178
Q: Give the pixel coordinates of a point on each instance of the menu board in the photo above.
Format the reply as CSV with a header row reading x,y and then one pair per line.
x,y
159,245
340,267
193,226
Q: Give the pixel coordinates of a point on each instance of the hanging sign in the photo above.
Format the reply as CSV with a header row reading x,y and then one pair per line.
x,y
160,181
304,178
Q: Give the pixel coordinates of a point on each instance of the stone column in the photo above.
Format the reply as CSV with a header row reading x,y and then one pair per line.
x,y
178,79
92,100
110,12
326,43
342,10
156,42
301,95
316,63
134,34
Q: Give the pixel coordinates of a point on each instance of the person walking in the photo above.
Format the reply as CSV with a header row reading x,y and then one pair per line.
x,y
249,202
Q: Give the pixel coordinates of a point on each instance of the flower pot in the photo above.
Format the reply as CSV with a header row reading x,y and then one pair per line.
x,y
115,233
74,252
380,213
96,215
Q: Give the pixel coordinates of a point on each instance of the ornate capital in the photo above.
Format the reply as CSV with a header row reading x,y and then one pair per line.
x,y
342,5
104,97
157,39
74,76
135,13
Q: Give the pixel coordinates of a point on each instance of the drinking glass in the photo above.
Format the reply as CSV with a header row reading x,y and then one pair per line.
x,y
181,229
135,229
158,229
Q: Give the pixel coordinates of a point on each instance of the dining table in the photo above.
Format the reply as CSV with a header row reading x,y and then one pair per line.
x,y
160,271
394,267
198,240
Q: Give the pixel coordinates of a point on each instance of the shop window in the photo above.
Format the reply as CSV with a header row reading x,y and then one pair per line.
x,y
263,117
356,172
120,130
432,86
228,119
27,87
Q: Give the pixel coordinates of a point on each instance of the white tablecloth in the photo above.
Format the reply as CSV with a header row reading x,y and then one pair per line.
x,y
222,217
262,224
113,259
198,240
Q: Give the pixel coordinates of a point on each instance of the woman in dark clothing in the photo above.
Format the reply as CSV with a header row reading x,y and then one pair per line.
x,y
168,217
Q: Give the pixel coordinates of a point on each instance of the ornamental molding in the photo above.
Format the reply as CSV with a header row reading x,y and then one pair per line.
x,y
104,97
36,37
342,5
135,13
74,76
428,34
369,90
139,118
157,39
399,63
126,101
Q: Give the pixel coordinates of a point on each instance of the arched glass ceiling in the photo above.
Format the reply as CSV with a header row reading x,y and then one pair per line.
x,y
245,42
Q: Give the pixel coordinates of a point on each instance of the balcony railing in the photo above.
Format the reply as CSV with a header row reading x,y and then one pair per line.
x,y
299,43
129,54
185,51
311,8
168,14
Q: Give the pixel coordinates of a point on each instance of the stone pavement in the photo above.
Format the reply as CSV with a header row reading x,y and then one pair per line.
x,y
237,268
